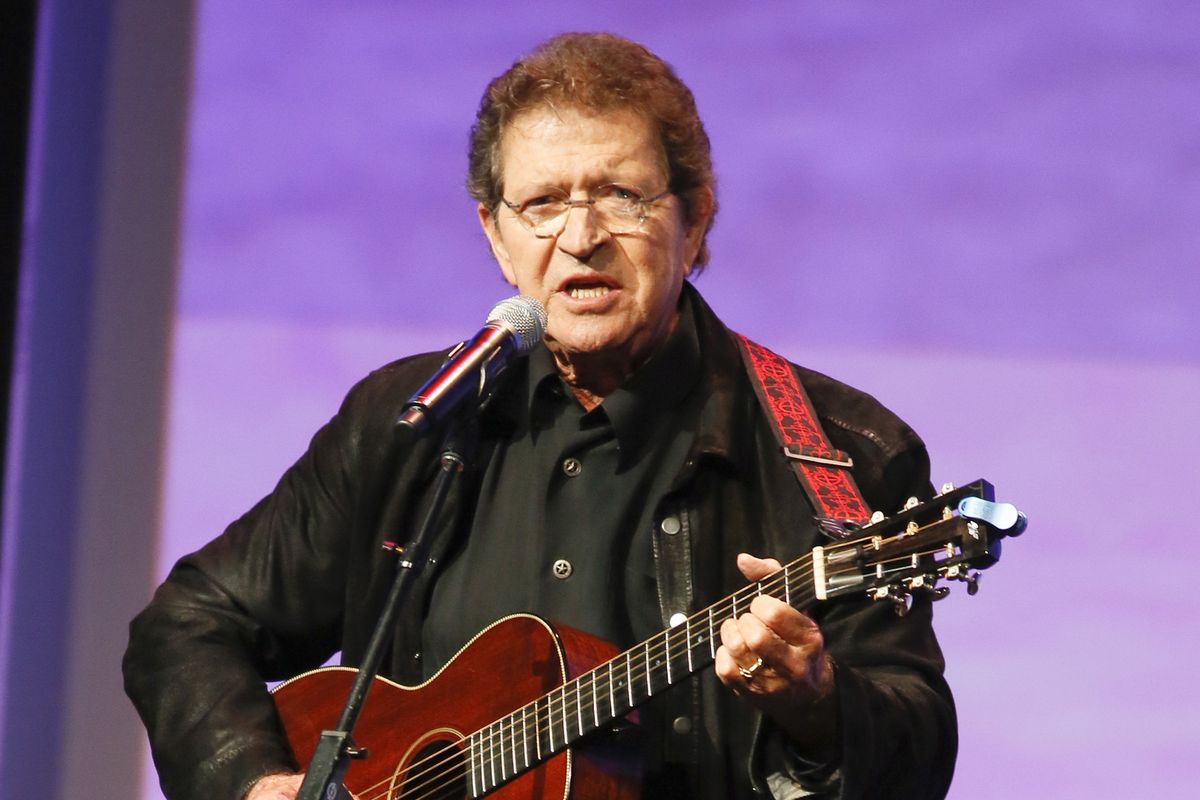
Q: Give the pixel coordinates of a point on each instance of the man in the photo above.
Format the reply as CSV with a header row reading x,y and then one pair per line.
x,y
623,474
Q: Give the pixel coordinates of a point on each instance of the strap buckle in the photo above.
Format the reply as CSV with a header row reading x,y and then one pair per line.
x,y
835,458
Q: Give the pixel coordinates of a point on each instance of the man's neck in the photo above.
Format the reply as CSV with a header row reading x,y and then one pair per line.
x,y
594,376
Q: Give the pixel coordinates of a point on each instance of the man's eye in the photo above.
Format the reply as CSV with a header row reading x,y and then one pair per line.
x,y
543,200
621,193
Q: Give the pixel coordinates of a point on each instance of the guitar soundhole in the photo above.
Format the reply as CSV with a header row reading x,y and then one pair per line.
x,y
435,772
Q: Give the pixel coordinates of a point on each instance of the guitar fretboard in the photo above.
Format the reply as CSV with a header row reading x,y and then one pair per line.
x,y
553,722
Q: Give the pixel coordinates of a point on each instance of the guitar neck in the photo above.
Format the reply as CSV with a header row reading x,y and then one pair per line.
x,y
555,721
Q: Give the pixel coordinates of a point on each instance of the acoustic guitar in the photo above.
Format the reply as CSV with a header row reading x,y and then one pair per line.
x,y
491,724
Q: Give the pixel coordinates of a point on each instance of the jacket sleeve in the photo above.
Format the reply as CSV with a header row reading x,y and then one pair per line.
x,y
263,601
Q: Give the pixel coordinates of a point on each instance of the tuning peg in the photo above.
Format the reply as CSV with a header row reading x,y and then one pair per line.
x,y
901,601
971,579
927,585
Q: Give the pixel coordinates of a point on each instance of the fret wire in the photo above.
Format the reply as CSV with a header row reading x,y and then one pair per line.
x,y
595,702
504,748
667,642
712,635
537,730
496,756
566,730
525,733
501,751
474,776
649,686
491,757
629,675
513,737
488,776
612,684
687,632
492,760
579,705
482,762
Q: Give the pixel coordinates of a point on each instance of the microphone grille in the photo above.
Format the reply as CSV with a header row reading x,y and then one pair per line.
x,y
525,317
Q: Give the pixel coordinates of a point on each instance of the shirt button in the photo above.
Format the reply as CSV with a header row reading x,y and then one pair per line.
x,y
682,725
670,526
562,569
572,467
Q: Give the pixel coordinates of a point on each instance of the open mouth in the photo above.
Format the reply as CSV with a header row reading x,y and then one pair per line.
x,y
587,291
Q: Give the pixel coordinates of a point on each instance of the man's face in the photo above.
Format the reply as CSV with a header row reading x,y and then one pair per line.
x,y
609,296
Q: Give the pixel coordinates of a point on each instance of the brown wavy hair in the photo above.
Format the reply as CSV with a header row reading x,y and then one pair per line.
x,y
595,72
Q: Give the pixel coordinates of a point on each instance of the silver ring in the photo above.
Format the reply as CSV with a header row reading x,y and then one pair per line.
x,y
748,672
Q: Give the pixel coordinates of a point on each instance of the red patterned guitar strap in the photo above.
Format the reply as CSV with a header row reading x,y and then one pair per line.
x,y
823,471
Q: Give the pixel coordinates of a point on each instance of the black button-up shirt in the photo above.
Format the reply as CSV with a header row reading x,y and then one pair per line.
x,y
565,508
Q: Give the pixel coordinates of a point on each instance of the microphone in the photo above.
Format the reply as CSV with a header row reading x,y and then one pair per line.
x,y
514,327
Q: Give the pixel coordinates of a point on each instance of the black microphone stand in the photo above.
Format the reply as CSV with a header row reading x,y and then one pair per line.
x,y
335,748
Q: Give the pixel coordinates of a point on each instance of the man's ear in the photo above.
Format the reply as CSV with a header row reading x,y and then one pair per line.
x,y
700,203
491,229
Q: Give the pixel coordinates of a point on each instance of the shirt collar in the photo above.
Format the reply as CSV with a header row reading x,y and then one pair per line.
x,y
654,390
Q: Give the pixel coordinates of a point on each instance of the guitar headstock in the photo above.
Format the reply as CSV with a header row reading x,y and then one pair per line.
x,y
951,536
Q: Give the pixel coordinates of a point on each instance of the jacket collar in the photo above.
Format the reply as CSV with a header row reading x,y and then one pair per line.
x,y
729,404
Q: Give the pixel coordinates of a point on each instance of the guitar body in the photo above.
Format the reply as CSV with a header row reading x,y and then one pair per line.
x,y
412,733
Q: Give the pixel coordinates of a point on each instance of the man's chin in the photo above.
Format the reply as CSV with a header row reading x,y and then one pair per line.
x,y
591,336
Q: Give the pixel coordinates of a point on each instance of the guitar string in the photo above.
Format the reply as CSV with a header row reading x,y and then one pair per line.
x,y
449,767
573,706
546,722
489,754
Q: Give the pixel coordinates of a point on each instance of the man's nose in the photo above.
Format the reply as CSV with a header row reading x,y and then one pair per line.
x,y
581,234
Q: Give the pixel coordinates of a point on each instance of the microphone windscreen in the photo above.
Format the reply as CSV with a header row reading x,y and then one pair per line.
x,y
525,317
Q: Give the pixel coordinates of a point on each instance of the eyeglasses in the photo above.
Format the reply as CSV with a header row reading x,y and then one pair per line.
x,y
617,209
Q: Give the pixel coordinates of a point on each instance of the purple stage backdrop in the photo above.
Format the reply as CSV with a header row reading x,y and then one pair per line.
x,y
985,214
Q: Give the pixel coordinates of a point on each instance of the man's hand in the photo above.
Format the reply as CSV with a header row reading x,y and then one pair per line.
x,y
281,787
276,787
774,657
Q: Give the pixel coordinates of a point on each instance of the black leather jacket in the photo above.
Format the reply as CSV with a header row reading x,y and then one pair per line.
x,y
303,575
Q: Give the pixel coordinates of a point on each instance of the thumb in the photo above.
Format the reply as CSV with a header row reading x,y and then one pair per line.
x,y
754,568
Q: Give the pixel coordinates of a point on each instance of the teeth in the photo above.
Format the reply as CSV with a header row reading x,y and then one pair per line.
x,y
587,293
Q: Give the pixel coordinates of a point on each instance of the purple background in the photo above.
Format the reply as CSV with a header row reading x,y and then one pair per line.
x,y
985,214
